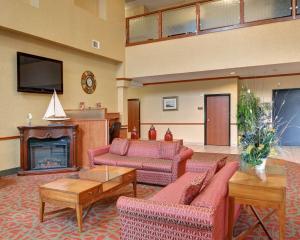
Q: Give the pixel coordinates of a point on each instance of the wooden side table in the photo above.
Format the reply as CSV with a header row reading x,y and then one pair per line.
x,y
248,189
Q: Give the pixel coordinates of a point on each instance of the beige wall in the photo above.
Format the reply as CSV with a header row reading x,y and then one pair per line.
x,y
134,10
263,87
250,46
63,22
190,97
15,106
92,6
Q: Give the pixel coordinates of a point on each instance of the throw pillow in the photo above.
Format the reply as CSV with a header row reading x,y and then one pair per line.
x,y
212,171
168,150
193,189
220,164
209,175
119,146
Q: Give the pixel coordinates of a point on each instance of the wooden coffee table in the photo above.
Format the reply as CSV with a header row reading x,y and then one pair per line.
x,y
91,186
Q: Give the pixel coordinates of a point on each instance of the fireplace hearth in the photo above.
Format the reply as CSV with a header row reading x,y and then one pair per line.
x,y
48,149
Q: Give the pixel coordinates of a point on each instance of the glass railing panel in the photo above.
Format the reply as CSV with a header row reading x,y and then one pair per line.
x,y
179,21
143,28
219,13
266,9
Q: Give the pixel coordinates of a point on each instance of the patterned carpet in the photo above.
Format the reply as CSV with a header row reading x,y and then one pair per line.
x,y
19,204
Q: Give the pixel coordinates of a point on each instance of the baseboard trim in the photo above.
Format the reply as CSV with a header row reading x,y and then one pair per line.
x,y
10,171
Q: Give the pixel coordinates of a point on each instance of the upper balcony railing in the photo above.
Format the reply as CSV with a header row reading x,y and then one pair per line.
x,y
206,16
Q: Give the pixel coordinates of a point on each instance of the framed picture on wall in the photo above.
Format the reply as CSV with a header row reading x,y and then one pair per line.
x,y
170,103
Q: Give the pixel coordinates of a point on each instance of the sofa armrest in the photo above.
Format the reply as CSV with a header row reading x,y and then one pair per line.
x,y
93,152
159,212
179,162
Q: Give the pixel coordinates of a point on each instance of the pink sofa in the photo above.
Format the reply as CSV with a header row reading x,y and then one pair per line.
x,y
146,157
162,217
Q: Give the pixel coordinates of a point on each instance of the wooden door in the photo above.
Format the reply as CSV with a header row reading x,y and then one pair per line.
x,y
134,115
217,120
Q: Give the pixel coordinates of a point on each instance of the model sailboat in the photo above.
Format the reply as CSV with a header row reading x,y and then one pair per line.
x,y
55,111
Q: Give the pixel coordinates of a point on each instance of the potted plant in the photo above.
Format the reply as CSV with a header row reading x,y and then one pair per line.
x,y
256,135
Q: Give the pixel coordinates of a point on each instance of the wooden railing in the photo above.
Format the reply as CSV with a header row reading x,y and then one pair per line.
x,y
9,138
198,19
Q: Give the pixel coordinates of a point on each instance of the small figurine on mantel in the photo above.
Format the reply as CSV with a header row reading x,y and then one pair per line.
x,y
152,133
81,106
168,135
134,134
98,105
29,119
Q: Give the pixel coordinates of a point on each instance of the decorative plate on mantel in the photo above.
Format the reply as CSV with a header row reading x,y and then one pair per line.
x,y
88,82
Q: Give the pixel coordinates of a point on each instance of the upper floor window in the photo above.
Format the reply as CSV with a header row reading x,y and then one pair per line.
x,y
266,9
199,17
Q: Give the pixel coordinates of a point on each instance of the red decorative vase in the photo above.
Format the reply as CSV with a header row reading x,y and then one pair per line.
x,y
152,133
168,135
134,134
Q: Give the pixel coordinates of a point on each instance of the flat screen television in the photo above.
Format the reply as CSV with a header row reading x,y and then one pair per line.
x,y
39,74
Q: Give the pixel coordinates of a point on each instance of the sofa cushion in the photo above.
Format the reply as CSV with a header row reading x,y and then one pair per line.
x,y
195,165
107,159
159,165
119,146
193,189
218,187
131,162
142,148
172,193
168,150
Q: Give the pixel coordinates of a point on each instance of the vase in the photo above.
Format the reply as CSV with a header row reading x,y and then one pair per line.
x,y
152,133
261,167
134,134
168,135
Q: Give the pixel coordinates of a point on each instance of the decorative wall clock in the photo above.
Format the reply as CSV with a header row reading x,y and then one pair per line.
x,y
88,82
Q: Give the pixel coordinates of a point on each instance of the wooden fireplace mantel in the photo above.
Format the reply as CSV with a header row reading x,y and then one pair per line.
x,y
44,132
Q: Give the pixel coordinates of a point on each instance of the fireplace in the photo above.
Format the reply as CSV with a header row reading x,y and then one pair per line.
x,y
49,153
48,149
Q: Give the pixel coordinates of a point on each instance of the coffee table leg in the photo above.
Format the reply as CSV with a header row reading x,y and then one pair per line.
x,y
134,188
42,210
79,216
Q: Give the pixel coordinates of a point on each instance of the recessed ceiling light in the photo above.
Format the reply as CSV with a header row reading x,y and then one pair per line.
x,y
232,73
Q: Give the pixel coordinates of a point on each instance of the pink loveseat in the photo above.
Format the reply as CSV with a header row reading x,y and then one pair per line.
x,y
156,162
162,217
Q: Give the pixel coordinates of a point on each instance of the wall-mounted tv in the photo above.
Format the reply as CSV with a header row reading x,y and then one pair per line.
x,y
39,74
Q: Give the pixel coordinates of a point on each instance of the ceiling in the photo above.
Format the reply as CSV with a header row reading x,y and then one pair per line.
x,y
152,5
266,70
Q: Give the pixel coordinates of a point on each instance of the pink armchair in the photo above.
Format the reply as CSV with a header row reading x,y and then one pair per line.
x,y
162,217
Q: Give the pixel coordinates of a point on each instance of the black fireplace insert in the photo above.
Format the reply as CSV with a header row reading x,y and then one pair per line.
x,y
49,153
